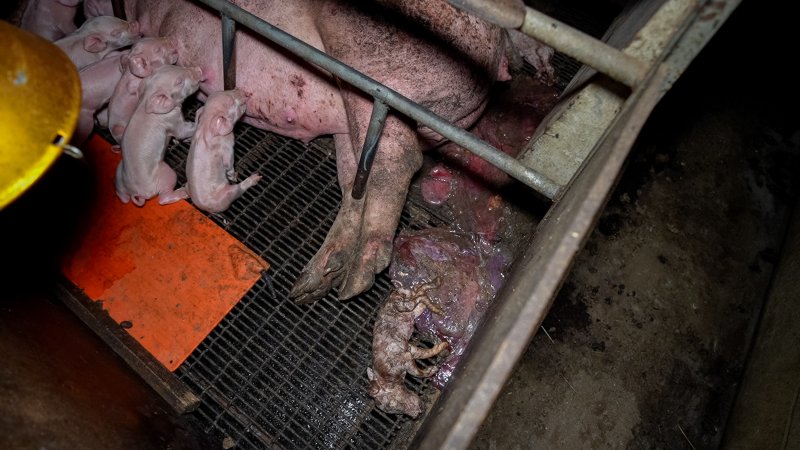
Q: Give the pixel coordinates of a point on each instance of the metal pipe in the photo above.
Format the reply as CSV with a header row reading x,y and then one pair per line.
x,y
228,52
118,6
562,37
376,122
502,161
586,49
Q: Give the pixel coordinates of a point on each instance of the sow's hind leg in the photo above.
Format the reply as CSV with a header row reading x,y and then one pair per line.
x,y
359,244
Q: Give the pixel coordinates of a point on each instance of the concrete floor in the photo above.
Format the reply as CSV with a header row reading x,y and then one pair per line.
x,y
645,345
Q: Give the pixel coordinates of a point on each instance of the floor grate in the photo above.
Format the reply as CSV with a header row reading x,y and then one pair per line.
x,y
272,373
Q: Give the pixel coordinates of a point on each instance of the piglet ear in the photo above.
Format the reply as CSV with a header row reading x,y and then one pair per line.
x,y
94,43
221,125
159,103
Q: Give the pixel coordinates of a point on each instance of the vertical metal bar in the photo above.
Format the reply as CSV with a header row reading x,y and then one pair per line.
x,y
376,122
228,52
118,7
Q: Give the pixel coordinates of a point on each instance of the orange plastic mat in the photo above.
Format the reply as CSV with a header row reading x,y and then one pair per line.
x,y
166,273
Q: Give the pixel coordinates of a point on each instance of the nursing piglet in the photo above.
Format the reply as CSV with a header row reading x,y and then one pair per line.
x,y
51,19
146,55
97,85
96,38
142,174
209,166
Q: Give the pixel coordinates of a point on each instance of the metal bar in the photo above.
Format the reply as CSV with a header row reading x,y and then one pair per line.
x,y
376,122
228,52
575,43
502,161
118,6
586,49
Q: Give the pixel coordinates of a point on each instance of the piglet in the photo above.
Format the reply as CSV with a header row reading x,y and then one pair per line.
x,y
209,166
97,85
142,174
145,56
393,355
51,19
96,38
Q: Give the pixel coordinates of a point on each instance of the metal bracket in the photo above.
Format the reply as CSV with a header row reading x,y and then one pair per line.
x,y
228,52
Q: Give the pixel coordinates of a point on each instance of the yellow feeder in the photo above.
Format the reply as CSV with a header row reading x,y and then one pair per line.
x,y
40,99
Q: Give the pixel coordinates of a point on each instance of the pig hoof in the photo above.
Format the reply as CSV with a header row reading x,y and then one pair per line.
x,y
311,286
116,149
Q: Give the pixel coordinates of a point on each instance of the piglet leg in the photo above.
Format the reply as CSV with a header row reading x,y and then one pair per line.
x,y
185,131
166,185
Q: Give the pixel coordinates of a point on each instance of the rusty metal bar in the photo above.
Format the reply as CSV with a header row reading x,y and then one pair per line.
x,y
376,122
228,52
570,41
502,161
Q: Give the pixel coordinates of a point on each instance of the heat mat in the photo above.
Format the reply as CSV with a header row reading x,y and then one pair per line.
x,y
166,273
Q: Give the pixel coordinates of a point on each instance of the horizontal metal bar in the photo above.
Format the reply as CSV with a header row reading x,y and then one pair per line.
x,y
570,41
502,161
586,49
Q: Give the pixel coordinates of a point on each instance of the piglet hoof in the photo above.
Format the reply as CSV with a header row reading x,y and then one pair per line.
x,y
231,175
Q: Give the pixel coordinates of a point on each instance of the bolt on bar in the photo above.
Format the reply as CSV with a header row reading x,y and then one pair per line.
x,y
577,44
502,161
228,52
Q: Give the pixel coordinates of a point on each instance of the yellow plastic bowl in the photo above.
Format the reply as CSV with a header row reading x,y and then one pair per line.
x,y
40,99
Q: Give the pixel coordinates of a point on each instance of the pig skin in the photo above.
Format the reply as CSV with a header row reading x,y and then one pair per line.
x,y
142,174
145,56
96,38
97,85
393,355
51,19
428,51
210,164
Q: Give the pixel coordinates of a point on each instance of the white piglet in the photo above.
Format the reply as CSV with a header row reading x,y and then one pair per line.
x,y
210,164
142,174
96,38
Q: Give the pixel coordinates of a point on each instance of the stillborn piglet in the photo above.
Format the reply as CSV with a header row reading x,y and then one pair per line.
x,y
209,166
97,85
50,19
146,55
142,174
96,38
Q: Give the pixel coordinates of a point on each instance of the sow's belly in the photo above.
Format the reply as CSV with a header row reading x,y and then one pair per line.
x,y
285,96
446,65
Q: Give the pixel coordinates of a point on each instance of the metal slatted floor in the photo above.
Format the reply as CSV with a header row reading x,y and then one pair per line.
x,y
272,373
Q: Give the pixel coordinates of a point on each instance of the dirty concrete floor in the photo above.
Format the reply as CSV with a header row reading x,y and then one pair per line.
x,y
645,344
